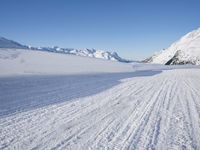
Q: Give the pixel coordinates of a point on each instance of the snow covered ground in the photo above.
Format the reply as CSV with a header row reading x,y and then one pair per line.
x,y
112,106
30,62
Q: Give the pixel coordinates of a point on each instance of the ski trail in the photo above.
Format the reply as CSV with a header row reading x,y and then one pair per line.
x,y
152,112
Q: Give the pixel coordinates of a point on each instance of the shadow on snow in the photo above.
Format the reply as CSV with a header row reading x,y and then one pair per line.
x,y
22,93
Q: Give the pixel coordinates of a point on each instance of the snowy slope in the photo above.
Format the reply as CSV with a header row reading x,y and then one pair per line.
x,y
148,110
184,51
21,62
5,43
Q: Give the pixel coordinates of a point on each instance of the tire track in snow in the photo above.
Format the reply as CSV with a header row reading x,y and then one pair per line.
x,y
111,109
134,138
193,114
127,126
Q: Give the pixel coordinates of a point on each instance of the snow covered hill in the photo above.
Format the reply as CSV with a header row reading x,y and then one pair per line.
x,y
23,61
184,51
5,43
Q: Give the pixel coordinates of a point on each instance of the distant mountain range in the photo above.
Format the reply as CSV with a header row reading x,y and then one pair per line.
x,y
5,43
184,51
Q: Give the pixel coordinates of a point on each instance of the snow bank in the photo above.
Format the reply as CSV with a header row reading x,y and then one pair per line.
x,y
23,62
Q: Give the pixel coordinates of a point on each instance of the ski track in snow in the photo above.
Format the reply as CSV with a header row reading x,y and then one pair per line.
x,y
161,111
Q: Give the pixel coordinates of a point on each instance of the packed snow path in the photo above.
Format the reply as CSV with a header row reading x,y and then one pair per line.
x,y
161,111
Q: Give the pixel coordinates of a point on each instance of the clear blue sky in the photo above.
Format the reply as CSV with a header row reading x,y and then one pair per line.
x,y
133,28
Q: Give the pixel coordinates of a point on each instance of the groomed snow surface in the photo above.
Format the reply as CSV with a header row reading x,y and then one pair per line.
x,y
134,106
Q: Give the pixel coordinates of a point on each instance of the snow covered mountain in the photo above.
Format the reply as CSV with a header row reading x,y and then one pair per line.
x,y
184,51
85,52
5,43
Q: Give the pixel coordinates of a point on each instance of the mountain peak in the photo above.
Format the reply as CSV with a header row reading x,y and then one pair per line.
x,y
184,51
